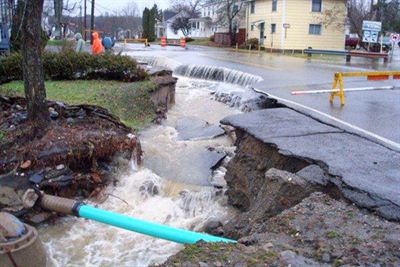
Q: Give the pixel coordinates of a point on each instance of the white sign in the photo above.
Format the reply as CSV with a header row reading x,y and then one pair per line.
x,y
370,37
394,37
286,25
375,26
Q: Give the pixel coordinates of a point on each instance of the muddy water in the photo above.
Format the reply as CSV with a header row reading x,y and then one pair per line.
x,y
174,170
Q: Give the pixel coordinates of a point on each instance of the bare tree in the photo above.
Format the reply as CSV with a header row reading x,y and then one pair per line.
x,y
35,93
192,7
332,17
228,12
358,11
181,23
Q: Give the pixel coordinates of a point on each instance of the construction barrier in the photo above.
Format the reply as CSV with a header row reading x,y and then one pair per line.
x,y
371,76
139,40
174,42
183,42
163,41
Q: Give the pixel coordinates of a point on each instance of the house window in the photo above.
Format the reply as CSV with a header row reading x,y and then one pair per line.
x,y
252,27
273,28
315,29
274,5
197,25
316,6
252,7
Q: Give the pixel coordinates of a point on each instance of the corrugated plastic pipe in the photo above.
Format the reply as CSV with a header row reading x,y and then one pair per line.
x,y
125,222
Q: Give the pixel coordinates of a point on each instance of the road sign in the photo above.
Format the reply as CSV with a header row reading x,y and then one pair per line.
x,y
286,25
375,26
394,37
370,36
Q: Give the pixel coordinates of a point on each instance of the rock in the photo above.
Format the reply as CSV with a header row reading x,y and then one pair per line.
x,y
192,128
39,218
326,257
70,120
8,197
290,258
10,226
213,227
314,174
18,107
203,264
26,164
36,178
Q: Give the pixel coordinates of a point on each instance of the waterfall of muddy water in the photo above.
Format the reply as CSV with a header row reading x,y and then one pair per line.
x,y
172,188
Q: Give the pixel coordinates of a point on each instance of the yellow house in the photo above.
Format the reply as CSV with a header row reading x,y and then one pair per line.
x,y
297,24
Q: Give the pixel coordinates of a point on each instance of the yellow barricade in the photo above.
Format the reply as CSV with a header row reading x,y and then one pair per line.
x,y
139,40
338,83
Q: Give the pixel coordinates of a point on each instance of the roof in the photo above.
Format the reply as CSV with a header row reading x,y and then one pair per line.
x,y
167,14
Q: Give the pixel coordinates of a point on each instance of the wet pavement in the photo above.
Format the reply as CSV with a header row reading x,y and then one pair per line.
x,y
374,113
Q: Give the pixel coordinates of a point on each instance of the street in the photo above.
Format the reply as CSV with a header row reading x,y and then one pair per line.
x,y
372,113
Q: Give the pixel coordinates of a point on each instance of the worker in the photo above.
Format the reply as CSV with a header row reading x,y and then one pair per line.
x,y
97,48
107,43
80,44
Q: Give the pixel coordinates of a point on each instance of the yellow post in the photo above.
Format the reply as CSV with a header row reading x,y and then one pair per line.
x,y
341,92
332,94
337,80
125,41
237,46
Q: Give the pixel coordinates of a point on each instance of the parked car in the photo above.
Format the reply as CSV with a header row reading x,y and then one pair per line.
x,y
352,41
386,45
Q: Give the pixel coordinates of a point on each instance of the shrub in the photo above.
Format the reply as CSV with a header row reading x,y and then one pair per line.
x,y
189,39
253,42
68,65
212,38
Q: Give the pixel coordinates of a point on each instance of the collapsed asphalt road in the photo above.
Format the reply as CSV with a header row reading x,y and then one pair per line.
x,y
365,172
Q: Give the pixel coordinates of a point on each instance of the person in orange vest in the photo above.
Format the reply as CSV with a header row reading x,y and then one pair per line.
x,y
97,48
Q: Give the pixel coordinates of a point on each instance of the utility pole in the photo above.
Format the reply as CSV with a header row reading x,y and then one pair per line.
x,y
92,23
84,21
80,18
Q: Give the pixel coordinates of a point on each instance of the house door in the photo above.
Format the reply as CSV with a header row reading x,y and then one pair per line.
x,y
262,31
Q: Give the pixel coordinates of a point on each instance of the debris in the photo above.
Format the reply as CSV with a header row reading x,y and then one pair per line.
x,y
60,167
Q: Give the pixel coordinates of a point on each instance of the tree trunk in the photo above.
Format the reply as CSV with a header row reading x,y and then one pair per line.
x,y
35,93
58,7
231,33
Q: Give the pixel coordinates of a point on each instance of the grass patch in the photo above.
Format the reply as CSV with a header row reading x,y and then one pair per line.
x,y
129,101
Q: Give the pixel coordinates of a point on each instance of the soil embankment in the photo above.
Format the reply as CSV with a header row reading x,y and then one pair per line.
x,y
80,153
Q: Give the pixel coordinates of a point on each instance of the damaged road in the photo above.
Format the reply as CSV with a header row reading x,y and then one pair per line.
x,y
364,172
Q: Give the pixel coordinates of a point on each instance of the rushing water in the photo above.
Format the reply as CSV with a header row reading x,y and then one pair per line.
x,y
174,170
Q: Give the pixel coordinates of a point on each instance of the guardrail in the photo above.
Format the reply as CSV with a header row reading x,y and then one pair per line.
x,y
338,81
349,54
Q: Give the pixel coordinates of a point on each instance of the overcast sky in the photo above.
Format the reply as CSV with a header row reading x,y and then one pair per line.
x,y
102,6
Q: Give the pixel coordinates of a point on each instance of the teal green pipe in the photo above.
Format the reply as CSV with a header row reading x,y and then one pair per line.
x,y
147,228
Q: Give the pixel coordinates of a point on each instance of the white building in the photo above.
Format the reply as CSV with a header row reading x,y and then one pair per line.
x,y
164,28
206,25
